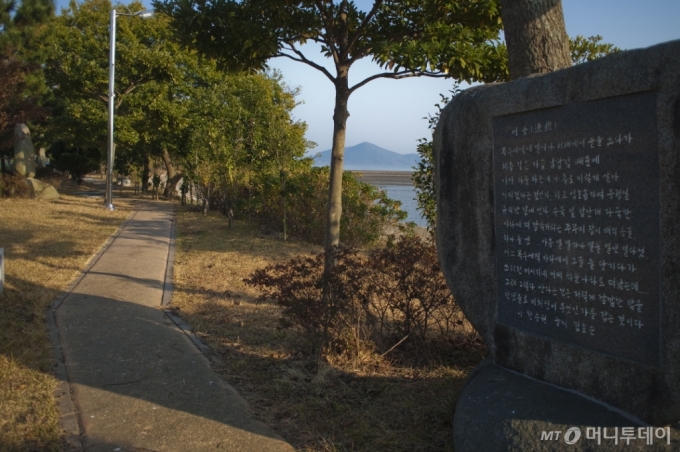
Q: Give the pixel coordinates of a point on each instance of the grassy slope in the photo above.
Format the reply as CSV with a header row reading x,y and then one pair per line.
x,y
367,404
46,244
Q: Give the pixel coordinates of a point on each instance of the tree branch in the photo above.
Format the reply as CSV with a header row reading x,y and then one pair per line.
x,y
397,76
364,24
303,59
328,25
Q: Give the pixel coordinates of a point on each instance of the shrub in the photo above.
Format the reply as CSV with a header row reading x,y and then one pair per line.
x,y
77,161
298,286
49,176
14,186
405,293
366,210
396,295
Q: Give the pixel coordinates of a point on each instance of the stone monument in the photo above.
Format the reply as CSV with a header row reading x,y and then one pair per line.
x,y
24,152
558,219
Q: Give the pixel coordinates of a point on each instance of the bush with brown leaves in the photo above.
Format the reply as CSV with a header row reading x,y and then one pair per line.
x,y
14,186
392,296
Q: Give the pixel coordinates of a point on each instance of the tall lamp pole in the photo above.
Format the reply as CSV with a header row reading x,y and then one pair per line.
x,y
108,201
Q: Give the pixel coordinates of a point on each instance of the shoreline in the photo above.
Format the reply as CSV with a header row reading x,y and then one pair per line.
x,y
381,178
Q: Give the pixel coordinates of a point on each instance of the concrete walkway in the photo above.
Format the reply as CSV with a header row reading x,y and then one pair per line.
x,y
138,382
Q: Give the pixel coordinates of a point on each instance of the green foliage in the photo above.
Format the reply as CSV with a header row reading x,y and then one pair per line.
x,y
423,174
25,29
366,209
24,34
75,160
589,49
455,38
241,132
395,295
15,106
423,183
148,63
406,38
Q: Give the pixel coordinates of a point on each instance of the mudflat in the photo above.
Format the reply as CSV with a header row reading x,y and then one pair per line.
x,y
385,177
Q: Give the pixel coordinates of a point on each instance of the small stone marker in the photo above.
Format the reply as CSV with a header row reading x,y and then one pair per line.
x,y
558,219
24,152
2,270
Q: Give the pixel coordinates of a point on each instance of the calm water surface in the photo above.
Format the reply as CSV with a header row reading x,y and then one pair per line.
x,y
407,195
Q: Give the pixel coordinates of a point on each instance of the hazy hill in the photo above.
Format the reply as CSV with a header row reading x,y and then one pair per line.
x,y
368,156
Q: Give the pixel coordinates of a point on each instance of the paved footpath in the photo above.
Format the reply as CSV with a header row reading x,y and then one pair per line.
x,y
138,382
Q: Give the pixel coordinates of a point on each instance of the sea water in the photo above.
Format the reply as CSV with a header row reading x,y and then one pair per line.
x,y
407,195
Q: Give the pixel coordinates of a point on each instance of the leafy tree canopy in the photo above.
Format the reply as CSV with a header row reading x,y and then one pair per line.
x,y
24,36
149,63
435,37
406,38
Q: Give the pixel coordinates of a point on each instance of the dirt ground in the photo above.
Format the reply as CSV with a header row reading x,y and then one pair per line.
x,y
369,403
46,244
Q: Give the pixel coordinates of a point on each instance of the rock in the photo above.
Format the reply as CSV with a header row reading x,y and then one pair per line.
x,y
42,158
530,176
24,152
500,410
41,190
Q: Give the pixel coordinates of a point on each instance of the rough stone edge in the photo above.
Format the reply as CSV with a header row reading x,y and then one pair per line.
x,y
69,419
632,418
203,349
495,426
169,288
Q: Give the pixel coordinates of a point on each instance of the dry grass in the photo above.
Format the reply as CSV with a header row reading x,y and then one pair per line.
x,y
46,245
364,404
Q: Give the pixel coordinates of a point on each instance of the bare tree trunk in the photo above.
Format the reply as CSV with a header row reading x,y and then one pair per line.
x,y
340,114
283,200
173,176
536,36
145,174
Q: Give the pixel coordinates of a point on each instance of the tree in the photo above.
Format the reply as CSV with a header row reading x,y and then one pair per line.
x,y
407,38
77,161
150,66
589,49
240,129
13,107
536,36
24,33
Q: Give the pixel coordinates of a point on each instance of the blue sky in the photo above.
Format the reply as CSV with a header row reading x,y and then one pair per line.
x,y
389,113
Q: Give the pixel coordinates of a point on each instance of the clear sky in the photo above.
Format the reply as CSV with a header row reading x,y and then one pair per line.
x,y
389,113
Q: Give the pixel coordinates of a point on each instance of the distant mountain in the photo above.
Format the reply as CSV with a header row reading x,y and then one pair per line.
x,y
369,157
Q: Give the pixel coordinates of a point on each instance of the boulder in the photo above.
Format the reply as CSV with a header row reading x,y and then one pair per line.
x,y
500,410
41,190
558,216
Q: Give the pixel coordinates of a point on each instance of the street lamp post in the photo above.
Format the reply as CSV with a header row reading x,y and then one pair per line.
x,y
108,201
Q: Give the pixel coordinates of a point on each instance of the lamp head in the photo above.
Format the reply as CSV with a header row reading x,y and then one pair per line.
x,y
146,13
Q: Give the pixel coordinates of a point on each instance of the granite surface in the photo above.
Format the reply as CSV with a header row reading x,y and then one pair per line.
x,y
646,387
